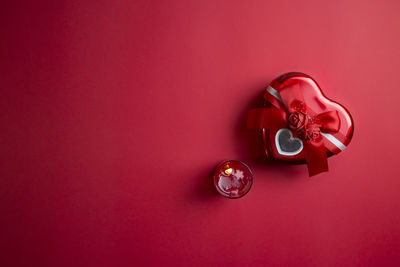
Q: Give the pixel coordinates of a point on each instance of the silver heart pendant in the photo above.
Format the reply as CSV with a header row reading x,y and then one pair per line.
x,y
286,144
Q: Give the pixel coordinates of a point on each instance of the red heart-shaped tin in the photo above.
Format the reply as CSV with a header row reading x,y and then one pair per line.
x,y
281,143
299,124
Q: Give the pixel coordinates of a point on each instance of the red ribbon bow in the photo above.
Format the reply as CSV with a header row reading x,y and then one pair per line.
x,y
292,112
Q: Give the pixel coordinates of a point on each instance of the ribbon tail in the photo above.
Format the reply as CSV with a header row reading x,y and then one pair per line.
x,y
315,154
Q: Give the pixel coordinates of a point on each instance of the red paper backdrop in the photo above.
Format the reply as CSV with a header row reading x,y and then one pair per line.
x,y
114,113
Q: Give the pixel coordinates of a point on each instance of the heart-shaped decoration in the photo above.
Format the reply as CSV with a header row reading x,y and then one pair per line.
x,y
279,142
286,144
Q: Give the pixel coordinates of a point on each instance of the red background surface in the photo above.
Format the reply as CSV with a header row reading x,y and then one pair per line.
x,y
114,113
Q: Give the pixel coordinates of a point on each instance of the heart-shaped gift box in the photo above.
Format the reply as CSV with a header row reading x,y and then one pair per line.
x,y
299,124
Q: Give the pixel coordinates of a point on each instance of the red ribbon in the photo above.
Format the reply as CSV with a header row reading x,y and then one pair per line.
x,y
294,113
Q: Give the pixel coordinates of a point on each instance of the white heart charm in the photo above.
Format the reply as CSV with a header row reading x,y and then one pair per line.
x,y
286,144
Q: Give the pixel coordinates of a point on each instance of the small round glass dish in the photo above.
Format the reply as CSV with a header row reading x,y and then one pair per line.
x,y
233,179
